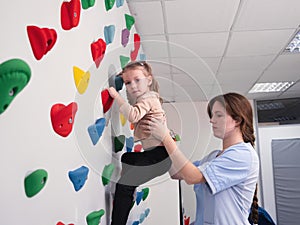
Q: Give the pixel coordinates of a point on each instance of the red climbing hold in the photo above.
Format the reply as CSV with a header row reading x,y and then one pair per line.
x,y
98,49
70,14
41,40
107,100
62,118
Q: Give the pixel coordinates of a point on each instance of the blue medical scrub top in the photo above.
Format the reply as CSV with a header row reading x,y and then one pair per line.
x,y
226,197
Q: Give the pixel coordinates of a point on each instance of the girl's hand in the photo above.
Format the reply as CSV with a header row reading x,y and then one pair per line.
x,y
112,92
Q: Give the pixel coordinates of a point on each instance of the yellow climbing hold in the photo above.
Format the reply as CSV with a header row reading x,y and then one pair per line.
x,y
81,79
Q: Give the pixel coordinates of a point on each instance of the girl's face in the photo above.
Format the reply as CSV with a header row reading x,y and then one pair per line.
x,y
222,123
136,82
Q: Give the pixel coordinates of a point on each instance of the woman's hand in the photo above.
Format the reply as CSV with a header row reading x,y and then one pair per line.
x,y
155,128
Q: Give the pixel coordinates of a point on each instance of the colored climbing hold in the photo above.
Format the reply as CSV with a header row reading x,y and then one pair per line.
x,y
109,33
129,21
142,217
124,60
109,4
41,40
107,173
98,49
131,126
145,193
14,76
143,57
87,3
61,223
138,148
35,182
119,142
62,118
81,79
137,44
119,3
118,83
125,37
129,144
70,14
94,218
78,177
95,131
122,119
147,211
139,196
186,220
107,100
136,223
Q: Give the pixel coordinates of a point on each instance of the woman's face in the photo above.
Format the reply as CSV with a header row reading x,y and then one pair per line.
x,y
222,123
136,82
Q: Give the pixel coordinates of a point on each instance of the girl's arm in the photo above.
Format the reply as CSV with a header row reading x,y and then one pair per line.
x,y
132,113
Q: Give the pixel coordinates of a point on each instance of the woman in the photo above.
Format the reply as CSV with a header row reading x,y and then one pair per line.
x,y
224,180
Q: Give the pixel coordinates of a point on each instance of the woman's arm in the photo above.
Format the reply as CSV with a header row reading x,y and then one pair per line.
x,y
186,170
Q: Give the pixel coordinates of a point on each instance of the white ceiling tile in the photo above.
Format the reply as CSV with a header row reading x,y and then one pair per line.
x,y
155,46
257,63
200,15
238,77
249,43
198,69
148,17
203,45
268,14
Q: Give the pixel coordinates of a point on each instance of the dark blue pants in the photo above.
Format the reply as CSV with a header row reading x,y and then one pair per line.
x,y
137,168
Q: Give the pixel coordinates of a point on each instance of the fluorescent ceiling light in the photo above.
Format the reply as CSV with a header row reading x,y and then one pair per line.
x,y
294,45
271,87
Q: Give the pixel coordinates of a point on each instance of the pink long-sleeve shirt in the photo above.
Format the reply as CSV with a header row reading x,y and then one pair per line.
x,y
146,107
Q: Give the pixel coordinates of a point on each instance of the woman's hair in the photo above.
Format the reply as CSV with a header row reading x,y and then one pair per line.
x,y
239,108
254,208
147,70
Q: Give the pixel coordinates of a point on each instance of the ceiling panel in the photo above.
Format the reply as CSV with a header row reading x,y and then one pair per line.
x,y
203,45
195,16
268,14
249,43
148,17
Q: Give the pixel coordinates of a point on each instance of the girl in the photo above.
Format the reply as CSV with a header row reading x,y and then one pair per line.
x,y
138,167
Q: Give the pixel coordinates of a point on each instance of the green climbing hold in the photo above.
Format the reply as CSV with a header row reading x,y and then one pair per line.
x,y
129,21
14,76
119,142
109,4
94,218
87,3
106,173
145,193
35,182
124,60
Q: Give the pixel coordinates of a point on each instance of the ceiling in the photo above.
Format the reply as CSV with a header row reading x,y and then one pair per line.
x,y
200,48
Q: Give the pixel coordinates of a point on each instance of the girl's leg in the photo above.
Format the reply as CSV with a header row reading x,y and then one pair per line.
x,y
137,168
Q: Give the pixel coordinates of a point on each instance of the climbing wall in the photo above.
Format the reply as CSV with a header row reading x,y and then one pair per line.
x,y
61,134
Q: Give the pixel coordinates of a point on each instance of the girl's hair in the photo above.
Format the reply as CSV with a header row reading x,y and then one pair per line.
x,y
147,70
239,108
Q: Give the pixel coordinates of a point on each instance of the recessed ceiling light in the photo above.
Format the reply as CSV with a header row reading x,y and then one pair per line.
x,y
294,45
271,87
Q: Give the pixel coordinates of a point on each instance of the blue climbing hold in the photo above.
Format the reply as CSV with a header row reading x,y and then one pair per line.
x,y
78,177
136,223
96,130
139,197
119,83
129,144
109,33
119,3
